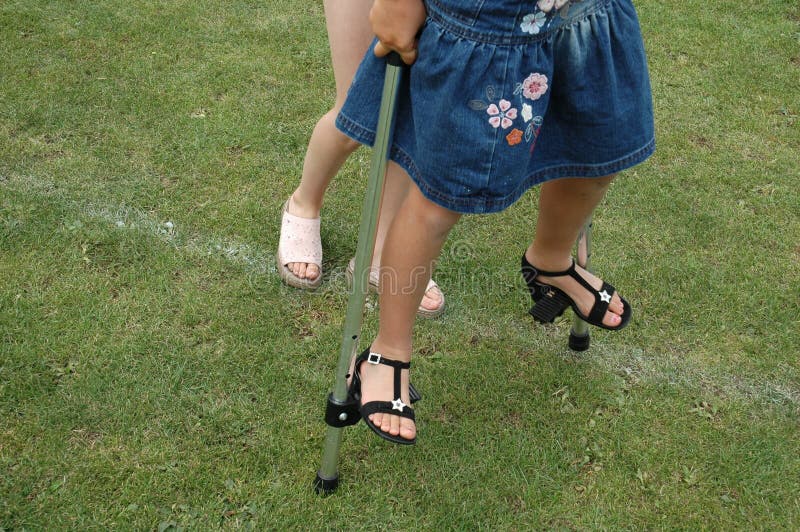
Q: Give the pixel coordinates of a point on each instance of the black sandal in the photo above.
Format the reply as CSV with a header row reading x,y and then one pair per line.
x,y
550,302
395,408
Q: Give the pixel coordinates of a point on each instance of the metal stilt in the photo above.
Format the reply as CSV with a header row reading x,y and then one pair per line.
x,y
342,411
579,338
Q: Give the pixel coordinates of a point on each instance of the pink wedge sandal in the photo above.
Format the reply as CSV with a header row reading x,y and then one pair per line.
x,y
299,242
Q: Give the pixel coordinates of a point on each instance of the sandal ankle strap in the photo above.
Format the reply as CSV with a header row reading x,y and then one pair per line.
x,y
531,272
372,357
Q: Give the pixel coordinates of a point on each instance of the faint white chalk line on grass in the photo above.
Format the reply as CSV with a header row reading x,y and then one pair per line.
x,y
660,367
633,364
169,231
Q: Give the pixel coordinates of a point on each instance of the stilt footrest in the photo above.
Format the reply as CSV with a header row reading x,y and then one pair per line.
x,y
344,414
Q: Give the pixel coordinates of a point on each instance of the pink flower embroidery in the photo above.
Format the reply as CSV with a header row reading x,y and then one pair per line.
x,y
548,5
545,5
534,86
502,116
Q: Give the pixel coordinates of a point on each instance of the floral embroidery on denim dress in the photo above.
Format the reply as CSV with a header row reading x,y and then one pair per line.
x,y
502,114
535,22
495,71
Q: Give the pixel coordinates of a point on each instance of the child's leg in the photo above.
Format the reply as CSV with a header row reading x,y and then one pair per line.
x,y
564,207
415,239
350,34
395,190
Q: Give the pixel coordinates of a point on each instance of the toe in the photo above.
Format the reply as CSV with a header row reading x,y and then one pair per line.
x,y
408,429
611,319
386,424
394,425
616,305
312,271
432,299
301,271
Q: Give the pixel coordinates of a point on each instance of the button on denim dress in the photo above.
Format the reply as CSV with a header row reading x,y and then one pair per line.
x,y
507,94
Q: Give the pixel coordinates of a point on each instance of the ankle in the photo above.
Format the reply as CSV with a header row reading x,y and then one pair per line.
x,y
400,353
303,207
551,262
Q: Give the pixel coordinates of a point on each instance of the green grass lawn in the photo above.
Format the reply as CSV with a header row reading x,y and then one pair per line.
x,y
156,374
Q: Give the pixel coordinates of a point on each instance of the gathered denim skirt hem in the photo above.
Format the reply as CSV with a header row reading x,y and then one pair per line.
x,y
508,94
487,205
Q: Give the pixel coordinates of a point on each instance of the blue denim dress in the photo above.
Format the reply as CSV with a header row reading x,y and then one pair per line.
x,y
507,94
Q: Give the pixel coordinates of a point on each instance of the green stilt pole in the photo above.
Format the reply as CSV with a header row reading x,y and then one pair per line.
x,y
328,475
579,338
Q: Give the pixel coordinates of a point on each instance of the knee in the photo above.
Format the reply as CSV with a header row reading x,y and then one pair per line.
x,y
579,188
605,181
328,121
349,145
436,220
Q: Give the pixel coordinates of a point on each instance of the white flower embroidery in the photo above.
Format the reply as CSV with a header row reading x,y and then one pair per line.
x,y
533,22
527,112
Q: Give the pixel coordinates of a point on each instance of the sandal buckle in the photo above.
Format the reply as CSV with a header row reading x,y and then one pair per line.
x,y
374,358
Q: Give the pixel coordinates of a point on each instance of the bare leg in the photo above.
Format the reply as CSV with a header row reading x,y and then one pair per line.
x,y
564,207
414,241
396,189
350,34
